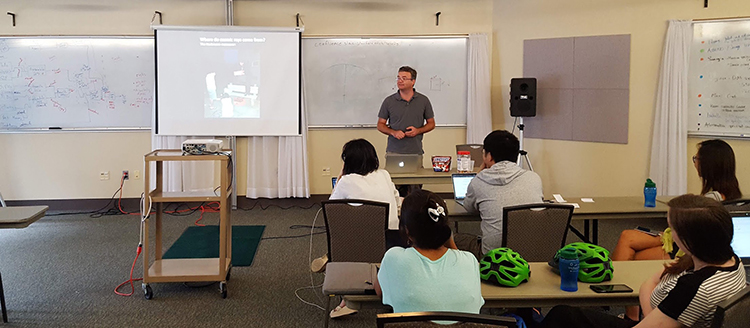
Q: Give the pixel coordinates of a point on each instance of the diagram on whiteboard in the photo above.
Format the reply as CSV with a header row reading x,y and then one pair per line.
x,y
74,83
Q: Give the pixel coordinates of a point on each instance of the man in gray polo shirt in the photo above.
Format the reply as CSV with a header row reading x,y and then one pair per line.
x,y
405,113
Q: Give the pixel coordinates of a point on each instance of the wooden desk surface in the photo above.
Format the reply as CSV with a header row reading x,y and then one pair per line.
x,y
543,289
630,207
20,216
422,176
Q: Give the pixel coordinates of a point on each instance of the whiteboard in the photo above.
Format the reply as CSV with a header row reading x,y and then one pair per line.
x,y
719,79
76,82
346,79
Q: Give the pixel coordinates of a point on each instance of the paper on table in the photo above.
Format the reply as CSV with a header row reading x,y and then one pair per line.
x,y
587,200
558,198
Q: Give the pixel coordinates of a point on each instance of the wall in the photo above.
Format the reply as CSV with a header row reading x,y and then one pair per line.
x,y
598,169
67,165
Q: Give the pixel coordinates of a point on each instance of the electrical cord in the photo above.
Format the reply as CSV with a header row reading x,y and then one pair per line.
x,y
309,260
145,213
513,130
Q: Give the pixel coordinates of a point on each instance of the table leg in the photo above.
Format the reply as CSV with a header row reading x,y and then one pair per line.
x,y
586,233
2,300
595,232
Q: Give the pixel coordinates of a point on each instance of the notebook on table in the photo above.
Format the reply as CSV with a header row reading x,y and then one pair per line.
x,y
461,185
402,163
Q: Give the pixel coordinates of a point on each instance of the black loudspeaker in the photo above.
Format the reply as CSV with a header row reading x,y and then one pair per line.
x,y
523,97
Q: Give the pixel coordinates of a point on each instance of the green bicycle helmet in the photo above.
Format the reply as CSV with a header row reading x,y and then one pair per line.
x,y
504,267
594,262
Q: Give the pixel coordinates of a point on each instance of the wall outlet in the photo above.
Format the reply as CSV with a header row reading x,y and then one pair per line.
x,y
136,175
125,175
326,171
104,175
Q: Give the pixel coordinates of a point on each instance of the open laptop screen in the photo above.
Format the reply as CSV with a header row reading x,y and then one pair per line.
x,y
741,240
461,184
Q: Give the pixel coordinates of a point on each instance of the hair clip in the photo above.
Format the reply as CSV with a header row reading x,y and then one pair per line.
x,y
436,213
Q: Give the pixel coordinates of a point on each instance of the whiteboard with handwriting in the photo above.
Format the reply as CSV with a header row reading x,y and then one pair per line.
x,y
719,79
76,82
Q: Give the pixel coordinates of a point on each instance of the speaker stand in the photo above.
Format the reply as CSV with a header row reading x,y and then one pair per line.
x,y
522,154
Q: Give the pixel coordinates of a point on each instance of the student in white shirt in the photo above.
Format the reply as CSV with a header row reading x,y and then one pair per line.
x,y
361,178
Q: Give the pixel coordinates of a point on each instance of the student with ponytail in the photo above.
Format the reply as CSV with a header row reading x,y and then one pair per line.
x,y
432,274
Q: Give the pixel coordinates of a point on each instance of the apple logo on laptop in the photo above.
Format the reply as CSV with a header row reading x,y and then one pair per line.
x,y
400,164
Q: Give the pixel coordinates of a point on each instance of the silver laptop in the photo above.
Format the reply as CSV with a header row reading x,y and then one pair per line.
x,y
401,163
460,185
741,240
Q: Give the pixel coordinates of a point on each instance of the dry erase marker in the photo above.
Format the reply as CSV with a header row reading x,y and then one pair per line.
x,y
55,128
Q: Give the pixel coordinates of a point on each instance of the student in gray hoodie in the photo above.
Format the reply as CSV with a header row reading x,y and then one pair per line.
x,y
500,183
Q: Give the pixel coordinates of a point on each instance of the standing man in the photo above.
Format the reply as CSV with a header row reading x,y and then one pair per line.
x,y
405,115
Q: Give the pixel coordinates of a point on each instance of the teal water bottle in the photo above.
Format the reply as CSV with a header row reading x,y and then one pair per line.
x,y
649,193
568,269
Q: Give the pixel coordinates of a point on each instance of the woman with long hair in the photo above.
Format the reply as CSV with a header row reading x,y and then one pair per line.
x,y
715,164
685,293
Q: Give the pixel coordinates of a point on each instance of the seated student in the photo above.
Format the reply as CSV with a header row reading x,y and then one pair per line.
x,y
360,178
432,275
500,183
716,167
685,293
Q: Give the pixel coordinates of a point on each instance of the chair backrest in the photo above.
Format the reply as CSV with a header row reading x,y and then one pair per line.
x,y
355,230
733,313
424,319
536,231
475,151
737,205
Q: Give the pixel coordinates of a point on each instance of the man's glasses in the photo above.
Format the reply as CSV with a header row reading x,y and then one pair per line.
x,y
399,78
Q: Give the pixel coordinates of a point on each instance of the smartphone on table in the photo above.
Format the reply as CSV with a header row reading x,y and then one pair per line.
x,y
614,288
647,231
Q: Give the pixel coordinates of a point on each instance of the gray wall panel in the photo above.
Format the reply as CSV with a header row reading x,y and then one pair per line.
x,y
554,118
550,61
600,115
602,62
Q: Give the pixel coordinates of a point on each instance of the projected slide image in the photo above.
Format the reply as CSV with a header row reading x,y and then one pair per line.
x,y
233,87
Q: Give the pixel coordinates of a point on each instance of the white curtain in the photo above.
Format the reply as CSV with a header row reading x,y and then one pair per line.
x,y
669,144
479,110
277,166
182,176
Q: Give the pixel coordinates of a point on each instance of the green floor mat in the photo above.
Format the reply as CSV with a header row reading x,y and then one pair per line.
x,y
203,242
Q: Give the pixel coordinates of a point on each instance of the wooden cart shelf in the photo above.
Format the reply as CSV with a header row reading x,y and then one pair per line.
x,y
187,270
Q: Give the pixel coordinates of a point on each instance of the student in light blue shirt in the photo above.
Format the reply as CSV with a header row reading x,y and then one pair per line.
x,y
432,275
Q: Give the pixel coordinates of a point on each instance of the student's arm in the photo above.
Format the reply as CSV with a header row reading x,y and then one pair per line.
x,y
658,319
376,285
383,128
470,202
644,293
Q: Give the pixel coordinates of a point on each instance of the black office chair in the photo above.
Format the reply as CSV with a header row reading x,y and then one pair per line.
x,y
356,232
536,231
424,319
733,313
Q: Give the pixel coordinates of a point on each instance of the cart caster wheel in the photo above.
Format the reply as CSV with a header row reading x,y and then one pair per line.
x,y
223,289
147,292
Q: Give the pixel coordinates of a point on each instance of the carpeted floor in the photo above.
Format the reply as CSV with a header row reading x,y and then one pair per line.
x,y
61,272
